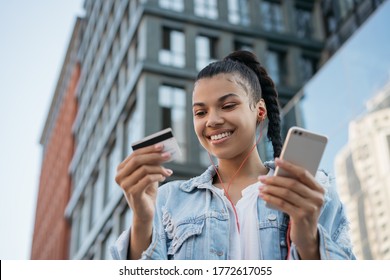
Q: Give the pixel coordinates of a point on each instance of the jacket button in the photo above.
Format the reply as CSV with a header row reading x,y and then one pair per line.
x,y
271,217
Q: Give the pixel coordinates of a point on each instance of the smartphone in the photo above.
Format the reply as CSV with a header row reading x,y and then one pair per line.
x,y
303,148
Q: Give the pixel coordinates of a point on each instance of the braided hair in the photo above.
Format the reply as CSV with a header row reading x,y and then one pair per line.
x,y
253,77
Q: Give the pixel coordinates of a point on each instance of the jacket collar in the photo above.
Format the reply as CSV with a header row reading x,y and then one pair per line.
x,y
205,180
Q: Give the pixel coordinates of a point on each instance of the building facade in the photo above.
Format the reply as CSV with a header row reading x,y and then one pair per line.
x,y
138,60
51,237
342,19
138,63
362,176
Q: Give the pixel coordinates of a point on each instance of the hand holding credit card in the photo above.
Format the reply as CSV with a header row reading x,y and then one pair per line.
x,y
164,137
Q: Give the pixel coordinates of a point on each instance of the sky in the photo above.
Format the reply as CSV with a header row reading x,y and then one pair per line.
x,y
34,38
338,93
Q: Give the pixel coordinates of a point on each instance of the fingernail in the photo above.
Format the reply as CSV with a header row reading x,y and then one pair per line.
x,y
261,194
162,179
169,172
262,178
166,155
278,160
158,146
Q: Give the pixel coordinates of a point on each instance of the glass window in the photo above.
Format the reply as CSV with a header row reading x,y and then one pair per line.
x,y
308,67
173,48
345,7
85,217
174,5
205,51
239,12
276,66
107,243
75,231
132,57
113,96
243,46
106,112
97,196
122,77
173,104
206,8
330,23
304,23
272,16
133,128
114,158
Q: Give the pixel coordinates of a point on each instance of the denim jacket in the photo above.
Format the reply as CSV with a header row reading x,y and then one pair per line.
x,y
192,222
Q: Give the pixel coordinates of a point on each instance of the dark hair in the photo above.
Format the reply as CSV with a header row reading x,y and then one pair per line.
x,y
255,80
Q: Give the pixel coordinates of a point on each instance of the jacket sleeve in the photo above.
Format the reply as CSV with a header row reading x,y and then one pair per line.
x,y
333,226
157,249
120,249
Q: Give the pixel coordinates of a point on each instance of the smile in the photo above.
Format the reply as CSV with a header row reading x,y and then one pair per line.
x,y
220,136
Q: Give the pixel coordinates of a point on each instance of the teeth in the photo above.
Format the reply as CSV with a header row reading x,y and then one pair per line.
x,y
220,136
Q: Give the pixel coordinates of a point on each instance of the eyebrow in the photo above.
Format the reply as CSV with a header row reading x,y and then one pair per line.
x,y
220,100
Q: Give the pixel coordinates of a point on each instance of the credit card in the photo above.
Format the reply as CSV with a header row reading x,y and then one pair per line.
x,y
164,137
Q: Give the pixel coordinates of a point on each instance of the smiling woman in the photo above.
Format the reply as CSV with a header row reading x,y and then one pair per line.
x,y
215,215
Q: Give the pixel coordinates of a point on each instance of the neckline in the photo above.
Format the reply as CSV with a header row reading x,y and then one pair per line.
x,y
247,189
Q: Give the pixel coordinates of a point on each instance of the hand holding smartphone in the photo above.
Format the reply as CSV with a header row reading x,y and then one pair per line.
x,y
303,148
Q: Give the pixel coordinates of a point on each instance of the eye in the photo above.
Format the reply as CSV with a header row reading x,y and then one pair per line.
x,y
228,106
199,113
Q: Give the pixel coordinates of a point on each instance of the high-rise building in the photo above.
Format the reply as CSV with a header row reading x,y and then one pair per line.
x,y
362,176
342,19
138,61
51,230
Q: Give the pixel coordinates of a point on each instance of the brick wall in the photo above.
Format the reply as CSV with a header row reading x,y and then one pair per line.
x,y
52,231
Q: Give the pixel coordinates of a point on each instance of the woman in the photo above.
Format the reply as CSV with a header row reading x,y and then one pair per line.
x,y
221,214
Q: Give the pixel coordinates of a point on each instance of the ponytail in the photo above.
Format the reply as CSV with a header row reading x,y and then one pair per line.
x,y
268,93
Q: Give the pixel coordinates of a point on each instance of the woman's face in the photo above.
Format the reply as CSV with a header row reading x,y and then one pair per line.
x,y
224,120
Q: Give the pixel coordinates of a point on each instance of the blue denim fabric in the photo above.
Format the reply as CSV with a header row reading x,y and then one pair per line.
x,y
192,222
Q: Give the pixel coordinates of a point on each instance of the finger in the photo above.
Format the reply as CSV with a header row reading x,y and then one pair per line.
x,y
287,184
312,202
146,150
137,189
136,161
283,194
294,205
278,203
300,173
291,188
144,170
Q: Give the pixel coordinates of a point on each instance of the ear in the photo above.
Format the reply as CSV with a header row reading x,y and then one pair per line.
x,y
261,110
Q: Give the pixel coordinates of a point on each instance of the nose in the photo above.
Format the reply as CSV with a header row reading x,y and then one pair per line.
x,y
214,119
